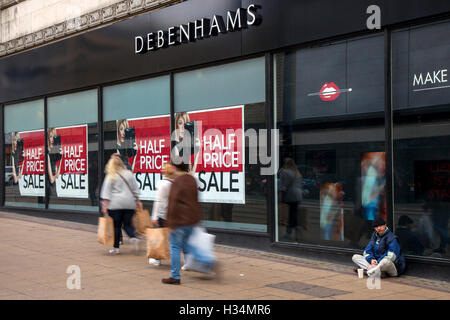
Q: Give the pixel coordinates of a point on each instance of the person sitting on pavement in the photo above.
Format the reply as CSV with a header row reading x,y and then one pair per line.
x,y
383,253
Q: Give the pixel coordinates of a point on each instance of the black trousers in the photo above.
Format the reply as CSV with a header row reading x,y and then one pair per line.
x,y
121,218
293,219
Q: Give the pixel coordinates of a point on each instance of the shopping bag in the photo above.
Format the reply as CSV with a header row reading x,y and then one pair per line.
x,y
141,221
158,243
202,245
105,232
203,242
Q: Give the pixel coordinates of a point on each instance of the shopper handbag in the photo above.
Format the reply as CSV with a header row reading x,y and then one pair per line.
x,y
141,218
158,243
105,231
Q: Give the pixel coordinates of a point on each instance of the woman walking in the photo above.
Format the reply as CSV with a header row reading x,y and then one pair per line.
x,y
120,198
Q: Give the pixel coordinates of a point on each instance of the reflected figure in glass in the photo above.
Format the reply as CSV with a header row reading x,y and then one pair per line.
x,y
291,194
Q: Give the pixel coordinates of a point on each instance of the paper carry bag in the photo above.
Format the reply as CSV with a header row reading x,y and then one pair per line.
x,y
158,243
141,221
105,232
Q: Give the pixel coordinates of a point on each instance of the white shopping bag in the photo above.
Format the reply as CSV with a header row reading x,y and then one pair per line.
x,y
203,243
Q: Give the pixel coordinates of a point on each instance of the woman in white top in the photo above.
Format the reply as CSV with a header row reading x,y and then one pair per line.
x,y
159,212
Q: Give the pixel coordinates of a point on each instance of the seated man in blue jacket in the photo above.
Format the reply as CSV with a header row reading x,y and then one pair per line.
x,y
383,253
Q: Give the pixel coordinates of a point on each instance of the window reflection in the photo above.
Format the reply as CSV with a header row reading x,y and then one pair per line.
x,y
330,113
421,181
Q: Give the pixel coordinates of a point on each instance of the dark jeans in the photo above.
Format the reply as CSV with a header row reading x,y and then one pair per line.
x,y
122,217
293,219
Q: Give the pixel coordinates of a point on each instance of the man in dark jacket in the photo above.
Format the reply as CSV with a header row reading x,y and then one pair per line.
x,y
383,253
183,213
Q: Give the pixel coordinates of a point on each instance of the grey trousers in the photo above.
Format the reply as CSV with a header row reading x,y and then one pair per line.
x,y
385,265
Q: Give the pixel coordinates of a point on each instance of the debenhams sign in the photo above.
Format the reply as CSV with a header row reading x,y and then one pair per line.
x,y
197,30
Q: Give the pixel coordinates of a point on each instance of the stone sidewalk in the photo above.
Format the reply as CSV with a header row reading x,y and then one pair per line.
x,y
35,254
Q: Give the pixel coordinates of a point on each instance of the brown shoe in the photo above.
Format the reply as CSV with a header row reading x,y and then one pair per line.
x,y
170,281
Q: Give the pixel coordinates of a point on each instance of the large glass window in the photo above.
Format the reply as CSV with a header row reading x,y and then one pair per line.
x,y
25,154
72,151
137,125
421,133
219,106
329,109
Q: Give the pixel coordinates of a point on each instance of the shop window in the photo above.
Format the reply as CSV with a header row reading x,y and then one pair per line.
x,y
222,105
421,133
24,154
329,109
72,151
137,125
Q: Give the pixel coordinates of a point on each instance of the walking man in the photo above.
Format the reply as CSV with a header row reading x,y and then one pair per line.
x,y
183,213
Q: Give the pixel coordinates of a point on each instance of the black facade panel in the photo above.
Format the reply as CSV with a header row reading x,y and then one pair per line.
x,y
291,22
107,54
421,61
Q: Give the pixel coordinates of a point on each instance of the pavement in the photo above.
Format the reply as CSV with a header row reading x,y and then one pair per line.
x,y
45,259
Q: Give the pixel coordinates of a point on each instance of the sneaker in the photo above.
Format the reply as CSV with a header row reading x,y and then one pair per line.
x,y
184,268
154,262
374,271
170,281
114,251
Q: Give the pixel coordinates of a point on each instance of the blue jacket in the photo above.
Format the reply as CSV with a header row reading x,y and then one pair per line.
x,y
383,246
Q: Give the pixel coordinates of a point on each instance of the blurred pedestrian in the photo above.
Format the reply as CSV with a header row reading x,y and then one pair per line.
x,y
120,193
183,213
159,212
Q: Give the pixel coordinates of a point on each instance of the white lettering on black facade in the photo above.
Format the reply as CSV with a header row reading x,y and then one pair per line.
x,y
199,29
430,78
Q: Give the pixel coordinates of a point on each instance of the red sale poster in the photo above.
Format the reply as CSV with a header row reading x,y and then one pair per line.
x,y
217,159
145,145
72,179
32,168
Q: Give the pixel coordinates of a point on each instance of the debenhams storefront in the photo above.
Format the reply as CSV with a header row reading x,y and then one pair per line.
x,y
361,119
